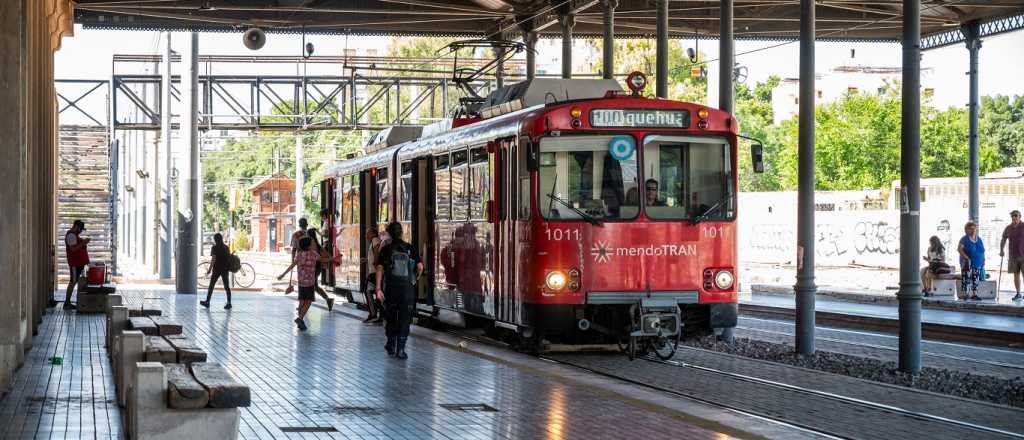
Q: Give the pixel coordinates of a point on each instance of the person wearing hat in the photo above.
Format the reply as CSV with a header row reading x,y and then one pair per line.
x,y
1014,233
77,256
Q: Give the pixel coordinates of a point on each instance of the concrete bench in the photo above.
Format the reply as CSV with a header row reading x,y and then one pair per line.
x,y
93,298
174,402
134,346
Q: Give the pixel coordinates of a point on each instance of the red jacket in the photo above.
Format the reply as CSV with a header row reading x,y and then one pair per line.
x,y
79,257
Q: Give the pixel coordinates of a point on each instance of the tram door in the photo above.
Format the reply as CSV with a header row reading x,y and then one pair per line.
x,y
422,236
329,230
504,217
367,219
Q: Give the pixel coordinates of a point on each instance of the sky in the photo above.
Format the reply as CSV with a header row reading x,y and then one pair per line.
x,y
87,55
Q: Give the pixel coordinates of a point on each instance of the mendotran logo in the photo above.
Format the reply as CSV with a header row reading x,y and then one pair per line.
x,y
603,253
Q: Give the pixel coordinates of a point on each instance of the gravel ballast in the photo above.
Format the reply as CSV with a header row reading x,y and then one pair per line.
x,y
955,383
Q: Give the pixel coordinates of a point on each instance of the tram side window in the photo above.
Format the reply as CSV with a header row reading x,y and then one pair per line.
x,y
460,202
524,183
382,195
342,204
479,184
405,204
442,189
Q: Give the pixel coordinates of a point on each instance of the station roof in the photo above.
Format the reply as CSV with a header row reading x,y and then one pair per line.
x,y
839,20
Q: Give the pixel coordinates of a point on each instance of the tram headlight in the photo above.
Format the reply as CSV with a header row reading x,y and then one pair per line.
x,y
556,280
724,279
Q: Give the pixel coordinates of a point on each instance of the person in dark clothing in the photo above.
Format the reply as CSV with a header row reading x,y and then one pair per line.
x,y
399,294
1014,233
219,266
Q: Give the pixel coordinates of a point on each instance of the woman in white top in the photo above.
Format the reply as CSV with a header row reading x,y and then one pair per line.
x,y
936,258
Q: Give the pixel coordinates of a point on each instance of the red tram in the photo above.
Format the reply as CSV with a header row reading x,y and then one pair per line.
x,y
603,217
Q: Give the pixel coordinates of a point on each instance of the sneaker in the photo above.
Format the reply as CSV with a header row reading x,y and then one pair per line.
x,y
330,304
975,298
369,318
205,304
302,324
227,306
1017,297
69,306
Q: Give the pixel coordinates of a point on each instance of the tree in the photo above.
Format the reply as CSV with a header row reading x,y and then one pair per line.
x,y
755,115
1002,125
640,55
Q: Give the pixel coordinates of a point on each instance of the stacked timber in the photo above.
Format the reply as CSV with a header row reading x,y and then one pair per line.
x,y
84,191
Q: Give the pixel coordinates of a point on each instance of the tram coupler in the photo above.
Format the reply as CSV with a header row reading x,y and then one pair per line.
x,y
657,318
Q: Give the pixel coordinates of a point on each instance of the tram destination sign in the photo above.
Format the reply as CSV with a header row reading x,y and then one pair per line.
x,y
639,118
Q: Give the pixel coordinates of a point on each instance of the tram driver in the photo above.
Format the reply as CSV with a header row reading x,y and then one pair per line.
x,y
651,192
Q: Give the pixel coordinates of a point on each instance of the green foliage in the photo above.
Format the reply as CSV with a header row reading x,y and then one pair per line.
x,y
857,144
1002,125
241,241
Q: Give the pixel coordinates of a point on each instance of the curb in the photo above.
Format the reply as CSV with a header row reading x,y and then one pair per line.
x,y
860,296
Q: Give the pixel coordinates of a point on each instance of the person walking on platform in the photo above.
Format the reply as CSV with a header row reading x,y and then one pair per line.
x,y
972,260
77,256
316,247
398,267
1014,233
220,255
375,309
305,260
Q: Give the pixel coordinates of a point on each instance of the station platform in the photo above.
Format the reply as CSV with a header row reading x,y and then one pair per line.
x,y
1002,329
336,381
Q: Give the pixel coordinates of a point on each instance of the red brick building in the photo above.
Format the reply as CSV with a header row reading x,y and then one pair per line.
x,y
273,212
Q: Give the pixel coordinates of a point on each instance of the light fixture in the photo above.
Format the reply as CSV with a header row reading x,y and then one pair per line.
x,y
555,280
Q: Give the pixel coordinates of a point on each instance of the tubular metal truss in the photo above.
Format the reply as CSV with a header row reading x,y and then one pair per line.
x,y
987,28
83,102
254,102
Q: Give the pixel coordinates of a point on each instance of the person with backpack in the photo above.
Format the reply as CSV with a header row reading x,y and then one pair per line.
x,y
398,267
220,266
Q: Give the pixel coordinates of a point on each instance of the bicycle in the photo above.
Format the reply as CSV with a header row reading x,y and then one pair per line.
x,y
245,277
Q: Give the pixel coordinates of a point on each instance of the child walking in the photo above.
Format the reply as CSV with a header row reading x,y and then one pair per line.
x,y
305,260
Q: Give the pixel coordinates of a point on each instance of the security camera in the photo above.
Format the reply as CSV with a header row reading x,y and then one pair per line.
x,y
692,54
309,50
254,38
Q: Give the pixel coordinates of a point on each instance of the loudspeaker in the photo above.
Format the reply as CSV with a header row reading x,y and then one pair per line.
x,y
254,38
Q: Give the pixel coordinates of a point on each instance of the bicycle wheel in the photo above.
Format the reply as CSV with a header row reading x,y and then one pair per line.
x,y
202,276
246,276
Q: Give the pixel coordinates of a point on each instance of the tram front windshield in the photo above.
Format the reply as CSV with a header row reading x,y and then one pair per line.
x,y
680,178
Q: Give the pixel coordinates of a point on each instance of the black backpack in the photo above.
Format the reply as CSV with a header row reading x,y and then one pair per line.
x,y
234,263
402,265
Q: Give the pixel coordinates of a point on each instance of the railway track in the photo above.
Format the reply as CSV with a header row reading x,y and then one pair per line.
x,y
929,330
813,410
888,348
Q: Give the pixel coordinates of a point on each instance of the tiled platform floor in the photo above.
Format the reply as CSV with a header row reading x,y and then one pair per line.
x,y
335,376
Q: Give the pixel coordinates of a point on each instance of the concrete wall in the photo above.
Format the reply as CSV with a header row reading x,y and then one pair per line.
x,y
844,237
30,32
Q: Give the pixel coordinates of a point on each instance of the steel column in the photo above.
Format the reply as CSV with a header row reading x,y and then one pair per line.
x,y
805,288
188,181
608,43
567,21
166,193
531,56
300,181
661,56
727,55
499,68
909,294
972,34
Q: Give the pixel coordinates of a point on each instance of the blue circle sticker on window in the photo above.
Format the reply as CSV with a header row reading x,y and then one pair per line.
x,y
622,147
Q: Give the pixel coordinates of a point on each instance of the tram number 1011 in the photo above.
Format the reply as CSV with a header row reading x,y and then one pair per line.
x,y
563,234
713,232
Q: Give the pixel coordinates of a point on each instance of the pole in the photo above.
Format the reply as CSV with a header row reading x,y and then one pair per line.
x,y
971,31
499,69
165,184
531,55
188,182
661,56
300,201
910,183
805,288
727,55
608,44
567,21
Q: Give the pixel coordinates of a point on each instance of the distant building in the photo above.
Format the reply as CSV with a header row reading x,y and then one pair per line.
x,y
273,212
839,82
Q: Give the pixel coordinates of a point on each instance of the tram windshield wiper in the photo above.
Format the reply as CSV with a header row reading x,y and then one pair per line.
x,y
589,218
718,205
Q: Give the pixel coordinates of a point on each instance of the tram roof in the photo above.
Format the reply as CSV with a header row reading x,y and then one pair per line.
x,y
839,20
376,159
